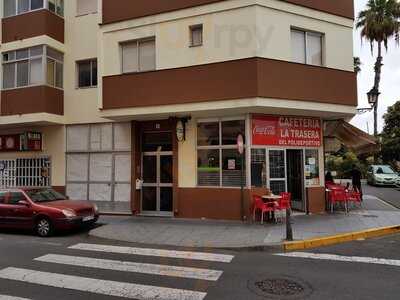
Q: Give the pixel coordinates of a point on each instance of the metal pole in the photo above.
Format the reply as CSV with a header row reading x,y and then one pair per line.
x,y
289,230
376,119
242,186
376,128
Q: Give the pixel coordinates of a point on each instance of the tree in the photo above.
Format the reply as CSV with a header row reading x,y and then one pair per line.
x,y
357,65
379,22
391,134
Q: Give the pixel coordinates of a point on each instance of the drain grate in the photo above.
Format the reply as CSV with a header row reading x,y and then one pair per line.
x,y
369,216
280,288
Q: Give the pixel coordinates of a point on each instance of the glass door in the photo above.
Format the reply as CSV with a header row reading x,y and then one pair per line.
x,y
157,175
295,178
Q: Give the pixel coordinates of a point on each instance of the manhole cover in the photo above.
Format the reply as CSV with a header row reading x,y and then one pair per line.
x,y
280,288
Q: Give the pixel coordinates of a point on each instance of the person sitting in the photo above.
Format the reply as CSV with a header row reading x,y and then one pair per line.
x,y
329,178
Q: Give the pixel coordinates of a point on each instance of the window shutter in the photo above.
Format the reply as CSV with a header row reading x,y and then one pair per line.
x,y
129,57
85,7
298,47
147,55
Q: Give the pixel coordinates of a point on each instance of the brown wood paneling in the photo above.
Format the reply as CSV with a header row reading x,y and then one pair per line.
x,y
286,80
37,99
342,8
316,199
212,203
60,189
32,24
125,9
236,79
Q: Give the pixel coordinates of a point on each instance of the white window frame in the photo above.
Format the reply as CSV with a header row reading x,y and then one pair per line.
x,y
221,147
137,42
28,59
91,60
305,35
45,6
192,28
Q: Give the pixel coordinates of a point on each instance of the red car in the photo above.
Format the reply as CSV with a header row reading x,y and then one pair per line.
x,y
44,211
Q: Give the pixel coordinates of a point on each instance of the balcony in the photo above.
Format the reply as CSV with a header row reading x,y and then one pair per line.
x,y
32,100
238,79
33,24
125,10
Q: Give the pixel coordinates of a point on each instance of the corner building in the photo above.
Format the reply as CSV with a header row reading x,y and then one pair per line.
x,y
137,105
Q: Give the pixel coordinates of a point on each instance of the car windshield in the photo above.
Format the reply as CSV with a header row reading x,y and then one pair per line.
x,y
45,195
384,170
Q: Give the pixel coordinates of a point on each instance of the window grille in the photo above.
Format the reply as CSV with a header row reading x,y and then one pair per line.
x,y
25,172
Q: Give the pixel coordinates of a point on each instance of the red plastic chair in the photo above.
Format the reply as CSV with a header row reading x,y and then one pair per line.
x,y
284,203
338,195
258,204
354,196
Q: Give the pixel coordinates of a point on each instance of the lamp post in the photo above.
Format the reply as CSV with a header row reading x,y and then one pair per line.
x,y
373,96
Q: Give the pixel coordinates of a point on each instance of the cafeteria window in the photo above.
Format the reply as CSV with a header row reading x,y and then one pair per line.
x,y
311,168
218,161
268,169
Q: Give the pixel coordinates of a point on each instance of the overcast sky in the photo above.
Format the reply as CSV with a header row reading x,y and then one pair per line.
x,y
390,84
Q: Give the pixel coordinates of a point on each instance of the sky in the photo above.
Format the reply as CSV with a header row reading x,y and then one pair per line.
x,y
390,84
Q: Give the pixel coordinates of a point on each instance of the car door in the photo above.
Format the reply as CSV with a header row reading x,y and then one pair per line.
x,y
18,215
3,208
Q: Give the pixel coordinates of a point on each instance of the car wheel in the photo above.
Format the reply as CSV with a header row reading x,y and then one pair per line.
x,y
44,228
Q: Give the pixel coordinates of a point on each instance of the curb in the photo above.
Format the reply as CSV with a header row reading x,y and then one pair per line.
x,y
115,214
341,238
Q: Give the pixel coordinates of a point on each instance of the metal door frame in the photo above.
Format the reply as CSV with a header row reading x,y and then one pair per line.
x,y
158,185
303,201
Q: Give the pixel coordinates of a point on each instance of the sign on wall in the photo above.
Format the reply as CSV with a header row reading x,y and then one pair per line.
x,y
286,131
28,141
10,143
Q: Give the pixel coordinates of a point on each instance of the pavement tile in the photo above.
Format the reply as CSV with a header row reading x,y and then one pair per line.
x,y
195,233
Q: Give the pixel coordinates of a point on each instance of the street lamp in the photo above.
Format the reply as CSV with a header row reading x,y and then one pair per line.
x,y
373,96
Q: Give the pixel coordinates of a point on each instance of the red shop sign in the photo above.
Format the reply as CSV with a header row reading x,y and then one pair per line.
x,y
286,131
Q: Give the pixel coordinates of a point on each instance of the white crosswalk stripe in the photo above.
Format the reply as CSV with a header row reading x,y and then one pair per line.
x,y
4,297
334,257
115,288
126,266
96,286
155,252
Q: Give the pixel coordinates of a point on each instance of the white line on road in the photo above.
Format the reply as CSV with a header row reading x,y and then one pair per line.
x,y
155,252
126,266
4,297
97,286
334,257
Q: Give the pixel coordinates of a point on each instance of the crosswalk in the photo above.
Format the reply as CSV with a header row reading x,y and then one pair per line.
x,y
109,287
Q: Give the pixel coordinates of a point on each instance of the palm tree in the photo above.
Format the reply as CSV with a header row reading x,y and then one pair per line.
x,y
379,22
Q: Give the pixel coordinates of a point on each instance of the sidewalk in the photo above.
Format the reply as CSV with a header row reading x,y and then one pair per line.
x,y
224,234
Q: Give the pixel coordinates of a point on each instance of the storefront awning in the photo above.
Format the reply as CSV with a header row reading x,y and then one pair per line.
x,y
350,136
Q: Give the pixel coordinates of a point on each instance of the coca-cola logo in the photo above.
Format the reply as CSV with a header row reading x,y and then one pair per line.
x,y
264,130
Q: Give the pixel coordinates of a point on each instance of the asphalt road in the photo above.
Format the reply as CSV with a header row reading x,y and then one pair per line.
x,y
49,269
390,195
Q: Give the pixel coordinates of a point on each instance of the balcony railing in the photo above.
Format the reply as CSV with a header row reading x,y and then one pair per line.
x,y
239,79
33,24
30,100
126,11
